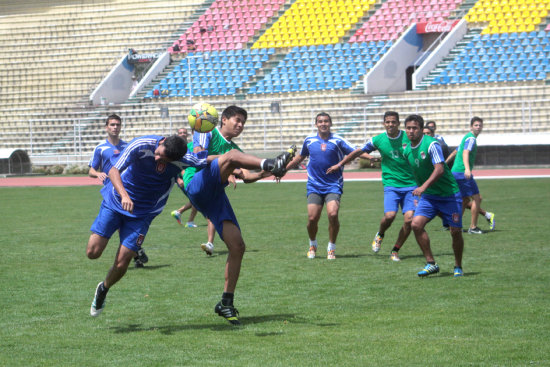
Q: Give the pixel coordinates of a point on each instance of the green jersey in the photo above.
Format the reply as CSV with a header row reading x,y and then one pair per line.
x,y
396,171
469,142
214,142
422,159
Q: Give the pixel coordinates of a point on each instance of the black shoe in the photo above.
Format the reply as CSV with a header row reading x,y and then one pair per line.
x,y
141,256
229,312
98,304
138,263
475,230
282,160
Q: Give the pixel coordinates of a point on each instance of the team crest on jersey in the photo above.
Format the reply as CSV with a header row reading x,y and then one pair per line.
x,y
161,167
140,240
323,147
116,151
422,155
404,145
456,217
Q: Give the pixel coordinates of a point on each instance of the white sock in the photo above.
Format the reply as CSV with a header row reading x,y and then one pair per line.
x,y
331,246
488,215
313,243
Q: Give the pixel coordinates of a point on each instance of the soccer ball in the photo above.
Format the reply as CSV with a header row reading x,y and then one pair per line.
x,y
203,117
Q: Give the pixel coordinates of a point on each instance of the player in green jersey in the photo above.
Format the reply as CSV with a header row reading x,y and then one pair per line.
x,y
397,178
437,191
462,171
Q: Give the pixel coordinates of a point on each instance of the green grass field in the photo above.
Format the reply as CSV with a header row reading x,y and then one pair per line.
x,y
360,310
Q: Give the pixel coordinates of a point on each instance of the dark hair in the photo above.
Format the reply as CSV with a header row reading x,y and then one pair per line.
x,y
113,117
175,147
323,114
416,118
233,111
474,119
391,113
431,122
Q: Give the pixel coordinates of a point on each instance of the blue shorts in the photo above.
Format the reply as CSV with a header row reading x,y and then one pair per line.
x,y
394,197
207,194
132,231
448,207
467,187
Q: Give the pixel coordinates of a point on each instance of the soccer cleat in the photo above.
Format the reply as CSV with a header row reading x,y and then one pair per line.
x,y
429,269
177,216
475,230
229,312
208,248
98,304
282,160
376,243
331,255
190,225
395,256
491,221
312,252
142,256
458,271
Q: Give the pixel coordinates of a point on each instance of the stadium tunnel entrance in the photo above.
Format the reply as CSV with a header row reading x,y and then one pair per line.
x,y
14,162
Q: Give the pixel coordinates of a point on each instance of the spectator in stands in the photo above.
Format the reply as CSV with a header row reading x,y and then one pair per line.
x,y
444,147
324,150
103,158
462,171
190,45
177,213
176,47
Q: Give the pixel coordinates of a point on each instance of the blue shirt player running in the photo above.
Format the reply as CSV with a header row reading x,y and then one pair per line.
x,y
140,182
324,149
397,178
437,191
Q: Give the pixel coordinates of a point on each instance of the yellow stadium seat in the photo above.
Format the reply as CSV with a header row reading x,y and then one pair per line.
x,y
502,29
512,28
529,28
481,18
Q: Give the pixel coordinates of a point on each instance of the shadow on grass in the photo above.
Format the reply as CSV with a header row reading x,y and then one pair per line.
x,y
150,267
218,326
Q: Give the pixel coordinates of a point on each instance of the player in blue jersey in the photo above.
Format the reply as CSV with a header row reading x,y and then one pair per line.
x,y
437,191
101,163
136,193
397,179
206,190
324,150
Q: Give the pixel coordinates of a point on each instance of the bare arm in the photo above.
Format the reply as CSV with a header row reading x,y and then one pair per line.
x,y
466,159
350,157
451,157
116,180
439,169
295,162
250,177
92,172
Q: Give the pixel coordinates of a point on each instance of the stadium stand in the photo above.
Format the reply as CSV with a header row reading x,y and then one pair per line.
x,y
286,61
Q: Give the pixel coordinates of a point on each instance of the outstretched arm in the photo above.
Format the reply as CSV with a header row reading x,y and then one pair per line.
x,y
295,162
350,157
250,177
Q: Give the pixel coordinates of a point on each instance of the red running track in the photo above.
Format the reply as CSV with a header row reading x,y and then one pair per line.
x,y
292,176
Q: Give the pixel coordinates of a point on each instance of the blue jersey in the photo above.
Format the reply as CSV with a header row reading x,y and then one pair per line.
x,y
322,155
147,182
101,159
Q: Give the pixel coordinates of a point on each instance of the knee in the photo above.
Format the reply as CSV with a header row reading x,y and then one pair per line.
x,y
238,248
333,218
93,252
389,217
416,226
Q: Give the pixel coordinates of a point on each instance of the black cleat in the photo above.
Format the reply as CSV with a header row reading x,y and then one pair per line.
x,y
282,160
229,312
142,256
